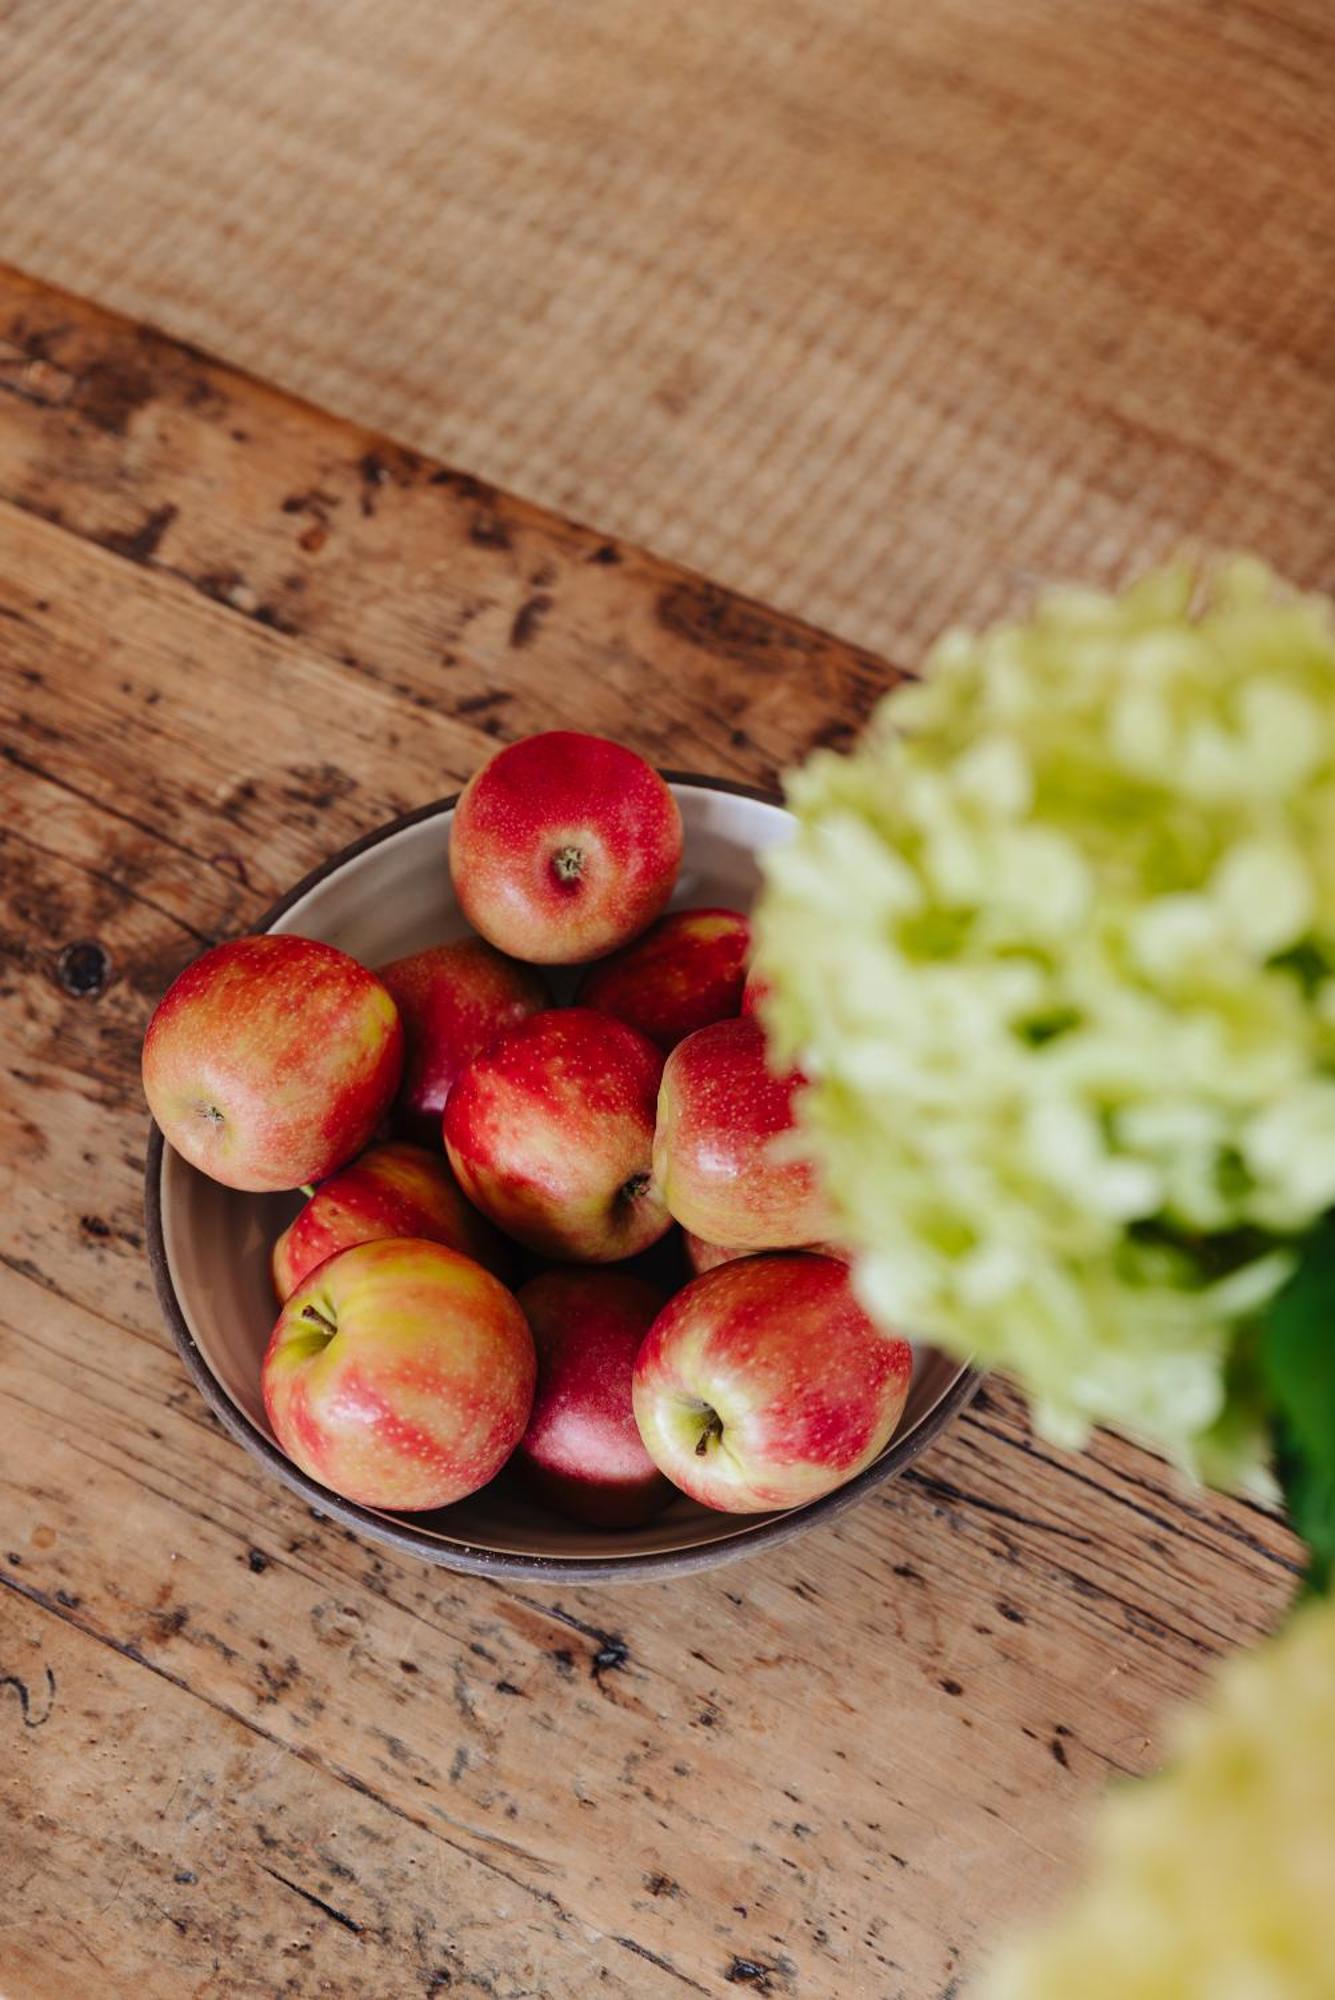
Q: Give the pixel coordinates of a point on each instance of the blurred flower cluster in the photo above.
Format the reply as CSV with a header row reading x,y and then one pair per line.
x,y
1213,1881
1055,947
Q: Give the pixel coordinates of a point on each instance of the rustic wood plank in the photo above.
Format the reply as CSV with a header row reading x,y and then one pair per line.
x,y
459,599
834,1772
233,1867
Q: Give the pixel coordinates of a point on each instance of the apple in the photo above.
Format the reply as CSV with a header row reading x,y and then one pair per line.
x,y
550,1133
702,1256
686,971
721,1111
392,1190
563,847
582,1452
271,1061
400,1374
755,993
453,1000
764,1384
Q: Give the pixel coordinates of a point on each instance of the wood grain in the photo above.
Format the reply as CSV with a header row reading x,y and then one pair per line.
x,y
248,1754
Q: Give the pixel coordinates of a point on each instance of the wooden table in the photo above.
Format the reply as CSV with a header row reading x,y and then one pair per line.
x,y
247,1754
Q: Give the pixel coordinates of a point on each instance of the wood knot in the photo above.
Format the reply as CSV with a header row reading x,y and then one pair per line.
x,y
83,969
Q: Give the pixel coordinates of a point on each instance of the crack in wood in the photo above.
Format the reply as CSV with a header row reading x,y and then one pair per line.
x,y
663,1964
938,1488
13,755
317,1902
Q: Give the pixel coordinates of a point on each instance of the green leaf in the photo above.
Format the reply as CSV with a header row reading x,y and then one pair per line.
x,y
1298,1364
1310,1496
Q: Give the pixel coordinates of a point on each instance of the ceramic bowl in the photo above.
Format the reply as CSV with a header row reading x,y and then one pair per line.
x,y
209,1245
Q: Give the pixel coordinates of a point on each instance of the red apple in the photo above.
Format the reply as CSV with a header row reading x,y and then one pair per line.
x,y
563,847
400,1375
551,1135
702,1256
272,1060
721,1114
755,993
392,1190
765,1384
686,971
582,1452
453,1000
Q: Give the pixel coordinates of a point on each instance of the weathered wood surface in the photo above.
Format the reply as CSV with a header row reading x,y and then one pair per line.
x,y
245,1753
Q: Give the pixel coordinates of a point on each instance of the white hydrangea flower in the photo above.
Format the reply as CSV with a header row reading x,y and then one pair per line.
x,y
1212,1881
1056,946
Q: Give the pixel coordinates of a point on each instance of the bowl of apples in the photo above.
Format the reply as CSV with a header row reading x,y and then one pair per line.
x,y
467,1201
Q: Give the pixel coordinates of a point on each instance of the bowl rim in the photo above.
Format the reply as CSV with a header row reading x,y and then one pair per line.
x,y
398,1532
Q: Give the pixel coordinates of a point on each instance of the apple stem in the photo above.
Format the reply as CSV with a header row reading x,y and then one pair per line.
x,y
319,1319
713,1429
637,1185
308,1189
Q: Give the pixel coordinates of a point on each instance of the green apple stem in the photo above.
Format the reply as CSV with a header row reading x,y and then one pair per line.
x,y
317,1318
713,1429
308,1189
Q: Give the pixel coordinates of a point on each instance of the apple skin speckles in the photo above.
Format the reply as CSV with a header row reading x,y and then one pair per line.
x,y
764,1384
686,972
400,1374
564,847
392,1190
271,1061
551,1135
721,1110
454,1000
